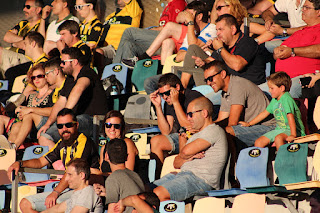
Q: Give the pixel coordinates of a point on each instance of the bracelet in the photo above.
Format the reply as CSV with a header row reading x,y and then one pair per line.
x,y
43,18
219,50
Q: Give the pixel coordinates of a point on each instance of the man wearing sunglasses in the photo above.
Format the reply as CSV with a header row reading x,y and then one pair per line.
x,y
201,159
172,117
16,54
86,95
71,145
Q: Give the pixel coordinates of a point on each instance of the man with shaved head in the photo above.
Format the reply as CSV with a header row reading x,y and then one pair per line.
x,y
201,159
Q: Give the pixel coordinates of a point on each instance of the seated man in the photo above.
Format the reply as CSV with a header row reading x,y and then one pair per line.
x,y
61,8
75,145
83,198
201,159
135,41
172,117
15,55
178,37
128,14
307,62
86,95
122,182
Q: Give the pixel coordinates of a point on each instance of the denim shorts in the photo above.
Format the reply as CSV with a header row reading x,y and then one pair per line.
x,y
43,121
174,141
249,135
183,185
37,201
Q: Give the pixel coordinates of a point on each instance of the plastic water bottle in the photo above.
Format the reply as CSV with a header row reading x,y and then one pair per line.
x,y
114,90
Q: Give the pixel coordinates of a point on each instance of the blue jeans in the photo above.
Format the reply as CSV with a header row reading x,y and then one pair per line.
x,y
134,42
183,185
295,90
151,84
174,141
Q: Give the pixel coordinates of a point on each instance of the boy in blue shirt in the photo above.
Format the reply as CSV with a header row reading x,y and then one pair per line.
x,y
284,110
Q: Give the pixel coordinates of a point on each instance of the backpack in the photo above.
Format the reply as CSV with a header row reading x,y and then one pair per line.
x,y
110,81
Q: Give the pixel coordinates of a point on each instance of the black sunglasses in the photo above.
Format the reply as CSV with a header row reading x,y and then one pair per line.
x,y
190,114
68,125
27,6
37,76
220,7
210,78
109,125
167,93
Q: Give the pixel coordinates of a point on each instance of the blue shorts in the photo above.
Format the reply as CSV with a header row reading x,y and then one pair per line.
x,y
183,185
43,121
249,135
37,200
174,141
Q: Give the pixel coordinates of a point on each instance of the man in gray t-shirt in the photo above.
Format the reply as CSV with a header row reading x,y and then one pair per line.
x,y
201,159
241,100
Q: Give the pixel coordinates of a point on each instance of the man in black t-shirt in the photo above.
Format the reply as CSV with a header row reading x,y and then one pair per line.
x,y
71,145
241,53
173,117
86,96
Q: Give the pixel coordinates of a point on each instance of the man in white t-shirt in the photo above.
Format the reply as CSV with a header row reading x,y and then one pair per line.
x,y
63,9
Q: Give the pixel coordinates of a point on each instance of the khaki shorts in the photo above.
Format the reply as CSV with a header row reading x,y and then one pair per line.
x,y
11,59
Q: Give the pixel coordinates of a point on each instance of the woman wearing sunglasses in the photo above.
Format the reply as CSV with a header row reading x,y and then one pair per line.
x,y
90,28
115,128
235,8
40,98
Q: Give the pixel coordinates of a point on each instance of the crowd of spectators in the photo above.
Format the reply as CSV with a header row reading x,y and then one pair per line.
x,y
63,64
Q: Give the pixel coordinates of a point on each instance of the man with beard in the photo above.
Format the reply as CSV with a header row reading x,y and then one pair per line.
x,y
71,145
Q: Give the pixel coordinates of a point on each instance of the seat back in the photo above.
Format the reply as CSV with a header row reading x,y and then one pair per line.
x,y
209,203
19,84
138,106
316,113
7,157
33,152
140,140
51,186
119,71
251,169
291,163
169,63
168,166
143,70
24,191
152,170
316,160
2,198
172,206
4,85
249,203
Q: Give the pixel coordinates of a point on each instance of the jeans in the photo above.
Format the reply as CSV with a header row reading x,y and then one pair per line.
x,y
295,90
271,45
134,42
151,84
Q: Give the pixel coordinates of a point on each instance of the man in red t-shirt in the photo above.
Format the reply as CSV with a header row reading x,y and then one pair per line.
x,y
135,41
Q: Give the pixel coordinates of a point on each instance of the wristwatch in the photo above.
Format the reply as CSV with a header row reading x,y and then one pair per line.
x,y
284,32
219,50
190,23
20,163
292,52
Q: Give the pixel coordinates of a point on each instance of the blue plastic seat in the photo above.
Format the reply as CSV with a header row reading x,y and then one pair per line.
x,y
172,206
119,71
4,85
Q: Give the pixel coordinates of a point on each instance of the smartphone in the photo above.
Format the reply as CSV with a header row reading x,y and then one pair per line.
x,y
305,81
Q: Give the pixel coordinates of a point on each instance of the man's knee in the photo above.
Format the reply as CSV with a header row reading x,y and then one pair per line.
x,y
168,43
25,204
159,142
162,193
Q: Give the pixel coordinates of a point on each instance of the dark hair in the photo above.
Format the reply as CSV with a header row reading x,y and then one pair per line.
x,y
71,26
117,151
80,165
70,5
220,65
93,2
170,79
151,199
39,3
75,53
32,69
66,111
280,79
53,63
117,114
316,195
36,37
199,7
316,4
230,21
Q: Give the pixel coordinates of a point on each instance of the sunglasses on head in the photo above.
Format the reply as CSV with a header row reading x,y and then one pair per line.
x,y
27,6
68,125
37,76
167,93
109,125
220,7
190,114
49,71
64,61
79,7
210,78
